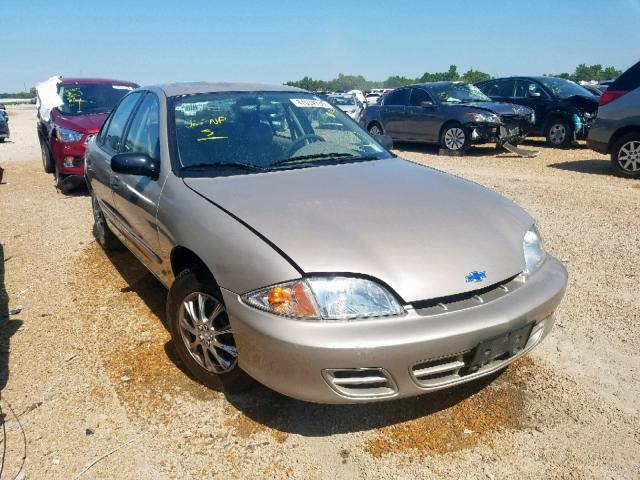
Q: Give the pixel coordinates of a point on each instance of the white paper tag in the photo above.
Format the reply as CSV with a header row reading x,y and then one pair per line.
x,y
121,87
310,103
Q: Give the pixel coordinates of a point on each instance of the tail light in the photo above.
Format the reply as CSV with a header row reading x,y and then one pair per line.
x,y
610,95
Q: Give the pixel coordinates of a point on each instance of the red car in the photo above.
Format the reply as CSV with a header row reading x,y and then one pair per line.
x,y
86,103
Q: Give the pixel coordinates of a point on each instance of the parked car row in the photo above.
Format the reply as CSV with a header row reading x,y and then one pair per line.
x,y
4,124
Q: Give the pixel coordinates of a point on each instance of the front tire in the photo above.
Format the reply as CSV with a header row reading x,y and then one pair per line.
x,y
625,156
47,161
201,332
454,138
559,133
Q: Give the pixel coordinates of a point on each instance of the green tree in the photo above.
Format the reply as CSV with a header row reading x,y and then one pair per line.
x,y
473,76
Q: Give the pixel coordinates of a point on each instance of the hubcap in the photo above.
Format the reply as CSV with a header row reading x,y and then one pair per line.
x,y
629,156
557,133
374,130
454,138
206,332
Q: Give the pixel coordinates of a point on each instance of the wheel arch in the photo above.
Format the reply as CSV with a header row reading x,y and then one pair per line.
x,y
620,133
182,258
448,124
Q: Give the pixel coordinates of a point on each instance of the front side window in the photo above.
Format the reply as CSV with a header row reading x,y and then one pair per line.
x,y
118,121
83,99
418,96
528,89
459,93
233,133
145,130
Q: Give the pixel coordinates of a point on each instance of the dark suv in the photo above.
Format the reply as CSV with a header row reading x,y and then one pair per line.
x,y
616,129
564,109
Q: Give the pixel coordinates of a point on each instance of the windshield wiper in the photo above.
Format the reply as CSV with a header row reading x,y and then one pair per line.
x,y
243,166
312,156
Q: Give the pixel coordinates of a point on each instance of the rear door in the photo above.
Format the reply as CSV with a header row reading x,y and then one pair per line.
x,y
423,123
107,144
136,197
393,113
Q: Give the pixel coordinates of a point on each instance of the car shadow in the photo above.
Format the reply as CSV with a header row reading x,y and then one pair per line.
x,y
542,143
7,326
288,415
594,167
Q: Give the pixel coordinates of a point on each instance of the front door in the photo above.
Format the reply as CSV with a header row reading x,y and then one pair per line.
x,y
136,197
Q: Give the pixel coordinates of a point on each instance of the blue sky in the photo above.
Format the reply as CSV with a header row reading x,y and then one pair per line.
x,y
275,41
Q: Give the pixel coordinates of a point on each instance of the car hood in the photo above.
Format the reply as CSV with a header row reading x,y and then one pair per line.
x,y
81,123
419,230
499,108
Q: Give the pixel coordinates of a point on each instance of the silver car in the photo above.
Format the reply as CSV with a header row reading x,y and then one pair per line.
x,y
300,253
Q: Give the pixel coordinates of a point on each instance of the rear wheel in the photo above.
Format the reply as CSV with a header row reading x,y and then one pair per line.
x,y
559,133
625,156
375,129
202,334
454,138
101,230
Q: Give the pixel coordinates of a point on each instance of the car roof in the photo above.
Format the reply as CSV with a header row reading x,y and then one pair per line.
x,y
190,88
78,80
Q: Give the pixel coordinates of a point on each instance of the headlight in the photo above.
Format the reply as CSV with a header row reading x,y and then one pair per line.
x,y
483,117
326,298
534,254
66,135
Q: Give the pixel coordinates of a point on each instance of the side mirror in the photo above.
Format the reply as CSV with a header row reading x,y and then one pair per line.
x,y
427,104
385,141
135,164
535,94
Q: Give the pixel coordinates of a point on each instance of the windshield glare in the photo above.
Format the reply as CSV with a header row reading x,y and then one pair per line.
x,y
564,88
459,93
266,131
78,99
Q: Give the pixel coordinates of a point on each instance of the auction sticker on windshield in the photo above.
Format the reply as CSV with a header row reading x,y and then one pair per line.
x,y
310,103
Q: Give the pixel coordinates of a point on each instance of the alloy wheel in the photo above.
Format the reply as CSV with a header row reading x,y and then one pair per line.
x,y
557,133
206,332
454,138
629,156
375,130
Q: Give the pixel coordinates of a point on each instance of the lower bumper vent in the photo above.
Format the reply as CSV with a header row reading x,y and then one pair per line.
x,y
361,382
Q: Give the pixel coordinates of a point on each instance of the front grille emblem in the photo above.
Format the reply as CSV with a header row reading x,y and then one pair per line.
x,y
476,276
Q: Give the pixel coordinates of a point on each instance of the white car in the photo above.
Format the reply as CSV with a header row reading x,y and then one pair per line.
x,y
347,103
372,98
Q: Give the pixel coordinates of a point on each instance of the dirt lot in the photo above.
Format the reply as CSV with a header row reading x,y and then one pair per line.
x,y
86,366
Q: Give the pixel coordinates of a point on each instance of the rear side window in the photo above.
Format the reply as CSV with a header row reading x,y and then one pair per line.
x,y
629,80
145,130
397,97
113,135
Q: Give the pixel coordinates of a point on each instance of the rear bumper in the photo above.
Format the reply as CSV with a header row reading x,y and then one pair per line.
x,y
300,358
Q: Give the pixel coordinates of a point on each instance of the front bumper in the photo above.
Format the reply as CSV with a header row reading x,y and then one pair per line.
x,y
69,156
300,358
512,132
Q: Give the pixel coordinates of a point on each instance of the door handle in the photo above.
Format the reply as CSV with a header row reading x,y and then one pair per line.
x,y
115,182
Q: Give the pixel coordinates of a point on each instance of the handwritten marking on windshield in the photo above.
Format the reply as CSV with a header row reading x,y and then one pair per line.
x,y
209,135
211,121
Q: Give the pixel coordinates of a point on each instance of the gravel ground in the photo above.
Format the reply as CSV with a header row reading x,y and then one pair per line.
x,y
86,367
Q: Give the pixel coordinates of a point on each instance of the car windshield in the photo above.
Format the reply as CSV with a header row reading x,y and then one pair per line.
x,y
232,133
82,99
564,88
343,100
459,93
